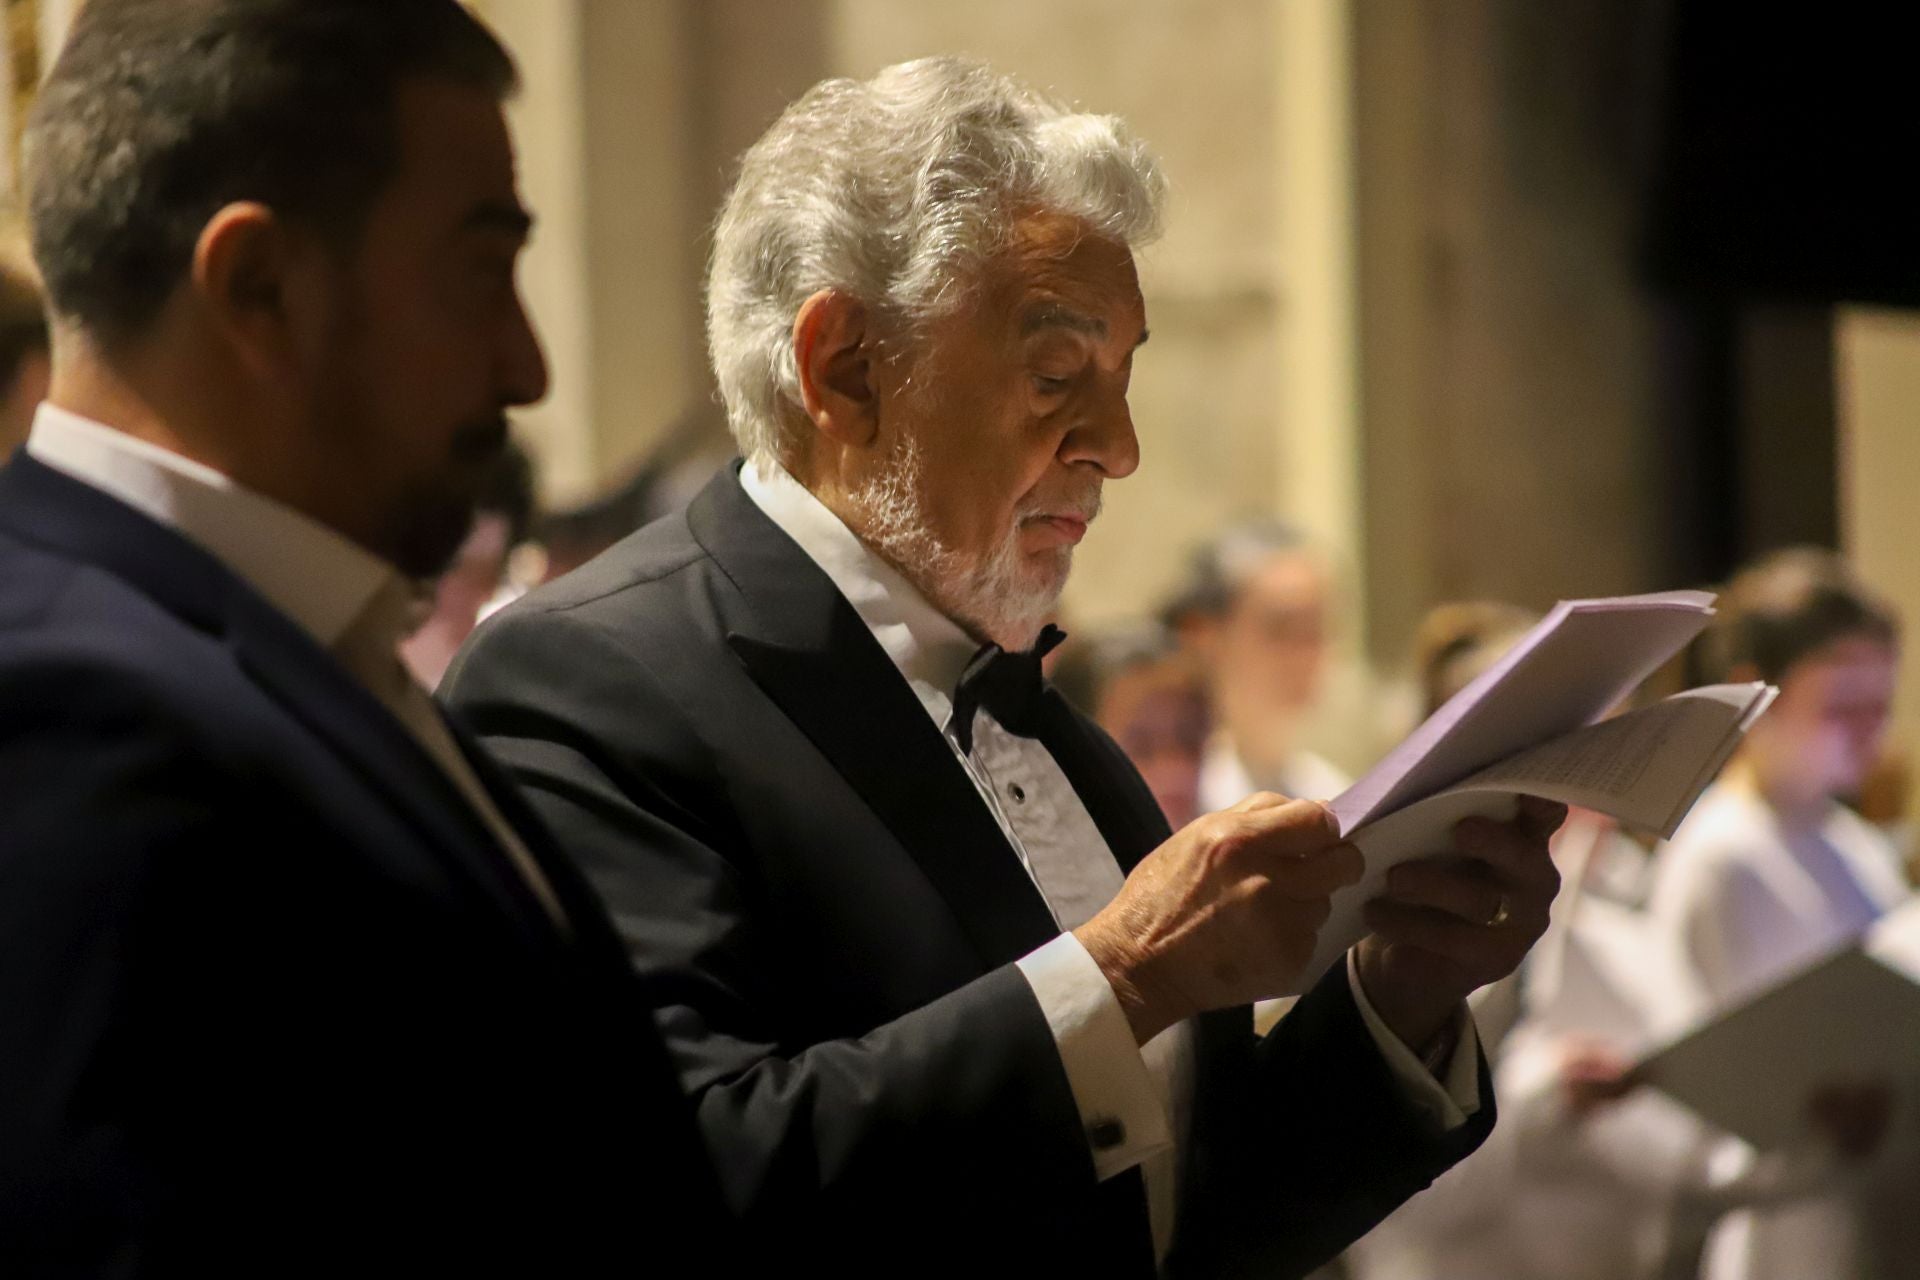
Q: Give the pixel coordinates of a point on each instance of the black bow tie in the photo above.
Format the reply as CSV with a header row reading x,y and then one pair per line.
x,y
1006,685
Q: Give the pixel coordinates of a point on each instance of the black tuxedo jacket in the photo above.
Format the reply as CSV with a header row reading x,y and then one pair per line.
x,y
828,918
272,999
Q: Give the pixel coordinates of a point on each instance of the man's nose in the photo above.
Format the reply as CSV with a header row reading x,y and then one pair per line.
x,y
1106,438
523,365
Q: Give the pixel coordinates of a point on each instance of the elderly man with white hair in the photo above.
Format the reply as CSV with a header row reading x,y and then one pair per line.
x,y
947,993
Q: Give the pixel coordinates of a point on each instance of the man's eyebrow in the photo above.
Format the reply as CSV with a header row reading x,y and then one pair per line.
x,y
501,216
1054,315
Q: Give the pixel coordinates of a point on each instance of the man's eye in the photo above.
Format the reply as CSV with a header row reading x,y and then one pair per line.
x,y
1051,386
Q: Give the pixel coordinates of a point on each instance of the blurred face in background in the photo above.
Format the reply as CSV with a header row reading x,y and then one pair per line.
x,y
1270,654
1823,734
1158,714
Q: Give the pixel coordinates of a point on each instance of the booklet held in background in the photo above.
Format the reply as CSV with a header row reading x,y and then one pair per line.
x,y
1850,1017
1533,725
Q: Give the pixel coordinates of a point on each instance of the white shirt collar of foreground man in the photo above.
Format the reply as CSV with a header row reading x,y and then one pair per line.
x,y
354,604
307,571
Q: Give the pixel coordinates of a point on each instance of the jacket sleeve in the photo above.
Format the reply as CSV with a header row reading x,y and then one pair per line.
x,y
1305,1138
961,1101
125,1039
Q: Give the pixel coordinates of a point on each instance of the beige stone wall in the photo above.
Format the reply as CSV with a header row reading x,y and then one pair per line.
x,y
1516,372
1879,383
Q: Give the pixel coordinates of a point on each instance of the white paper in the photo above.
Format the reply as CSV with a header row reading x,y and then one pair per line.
x,y
1644,769
1578,663
1850,1018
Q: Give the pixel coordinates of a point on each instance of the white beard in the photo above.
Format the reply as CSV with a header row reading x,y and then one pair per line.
x,y
1003,597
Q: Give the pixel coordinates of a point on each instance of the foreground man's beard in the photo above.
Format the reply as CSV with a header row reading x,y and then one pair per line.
x,y
1005,597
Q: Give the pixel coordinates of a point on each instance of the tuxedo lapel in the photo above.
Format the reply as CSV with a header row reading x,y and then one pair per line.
x,y
808,650
47,508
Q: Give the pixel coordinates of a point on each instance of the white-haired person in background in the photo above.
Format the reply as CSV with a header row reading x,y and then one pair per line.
x,y
949,995
1270,595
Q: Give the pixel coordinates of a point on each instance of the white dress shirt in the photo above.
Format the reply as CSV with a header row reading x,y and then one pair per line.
x,y
351,602
1143,1093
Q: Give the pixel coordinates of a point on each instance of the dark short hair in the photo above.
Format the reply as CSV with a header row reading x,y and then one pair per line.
x,y
1787,606
160,112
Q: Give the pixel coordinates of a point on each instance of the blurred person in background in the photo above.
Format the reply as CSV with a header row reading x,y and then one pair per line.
x,y
1268,652
663,482
1138,686
476,583
1771,871
1587,1178
1191,615
1455,644
25,367
1885,799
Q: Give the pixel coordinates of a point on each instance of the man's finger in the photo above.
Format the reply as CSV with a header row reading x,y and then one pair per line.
x,y
1261,800
1290,828
1504,846
1428,930
1540,817
1453,887
1319,873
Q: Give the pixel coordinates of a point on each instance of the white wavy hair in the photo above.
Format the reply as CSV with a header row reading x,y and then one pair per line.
x,y
895,190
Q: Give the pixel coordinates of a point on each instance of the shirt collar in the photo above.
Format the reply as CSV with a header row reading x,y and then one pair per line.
x,y
309,572
928,648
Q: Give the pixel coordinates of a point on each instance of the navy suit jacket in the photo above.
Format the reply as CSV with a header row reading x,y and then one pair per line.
x,y
829,919
272,999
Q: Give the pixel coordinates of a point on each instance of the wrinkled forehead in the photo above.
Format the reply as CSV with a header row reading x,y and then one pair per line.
x,y
1053,270
454,153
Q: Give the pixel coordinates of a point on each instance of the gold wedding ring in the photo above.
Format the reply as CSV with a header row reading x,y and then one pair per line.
x,y
1501,913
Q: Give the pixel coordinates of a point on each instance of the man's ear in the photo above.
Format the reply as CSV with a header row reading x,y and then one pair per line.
x,y
257,285
834,349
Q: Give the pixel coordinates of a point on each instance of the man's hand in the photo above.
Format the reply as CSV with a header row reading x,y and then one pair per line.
x,y
1450,925
1224,913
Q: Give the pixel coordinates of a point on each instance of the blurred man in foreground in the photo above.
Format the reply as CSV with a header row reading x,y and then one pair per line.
x,y
290,980
951,997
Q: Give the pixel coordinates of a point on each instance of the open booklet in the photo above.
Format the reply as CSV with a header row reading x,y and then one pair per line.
x,y
1850,1017
1533,725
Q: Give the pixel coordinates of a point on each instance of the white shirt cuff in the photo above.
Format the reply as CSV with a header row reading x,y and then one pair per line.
x,y
1122,1113
1445,1102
